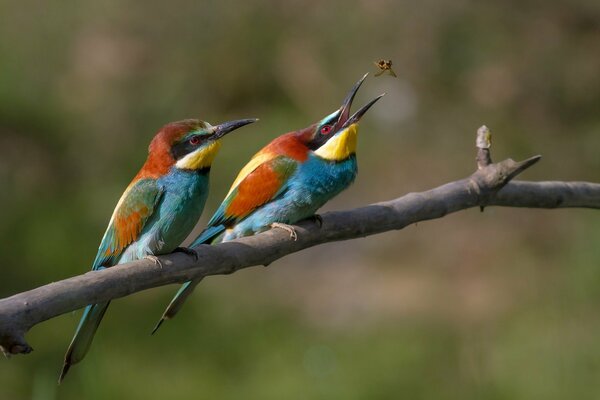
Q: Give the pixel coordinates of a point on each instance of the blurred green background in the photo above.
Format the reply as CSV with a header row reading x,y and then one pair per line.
x,y
409,314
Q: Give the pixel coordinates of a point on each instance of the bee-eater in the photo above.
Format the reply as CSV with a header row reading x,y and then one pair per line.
x,y
158,209
286,181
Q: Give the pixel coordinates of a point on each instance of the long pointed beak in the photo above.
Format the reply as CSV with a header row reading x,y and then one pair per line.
x,y
229,126
358,115
345,108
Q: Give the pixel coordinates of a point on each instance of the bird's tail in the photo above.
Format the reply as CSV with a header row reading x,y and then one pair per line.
x,y
207,236
82,340
177,302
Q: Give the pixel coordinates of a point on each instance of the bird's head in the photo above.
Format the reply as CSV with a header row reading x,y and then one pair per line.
x,y
334,137
190,144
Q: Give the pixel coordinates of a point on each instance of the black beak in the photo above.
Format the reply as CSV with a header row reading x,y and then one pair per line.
x,y
345,108
344,119
229,126
358,115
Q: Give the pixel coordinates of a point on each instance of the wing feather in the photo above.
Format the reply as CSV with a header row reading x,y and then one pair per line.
x,y
128,220
264,183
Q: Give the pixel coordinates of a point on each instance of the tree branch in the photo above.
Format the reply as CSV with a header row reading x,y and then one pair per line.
x,y
489,185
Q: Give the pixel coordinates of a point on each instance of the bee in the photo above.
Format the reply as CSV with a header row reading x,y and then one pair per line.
x,y
384,65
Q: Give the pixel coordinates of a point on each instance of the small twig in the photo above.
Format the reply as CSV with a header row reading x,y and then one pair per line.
x,y
483,143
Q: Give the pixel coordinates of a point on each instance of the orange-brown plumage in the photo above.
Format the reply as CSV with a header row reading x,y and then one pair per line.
x,y
159,159
256,189
292,145
264,175
128,228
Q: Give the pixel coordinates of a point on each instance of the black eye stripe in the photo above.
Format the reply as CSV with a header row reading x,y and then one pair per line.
x,y
184,147
321,137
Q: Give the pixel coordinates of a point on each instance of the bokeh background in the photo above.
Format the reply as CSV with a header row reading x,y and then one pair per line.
x,y
495,305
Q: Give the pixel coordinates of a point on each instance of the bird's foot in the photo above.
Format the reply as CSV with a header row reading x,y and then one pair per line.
x,y
187,250
317,219
288,228
155,260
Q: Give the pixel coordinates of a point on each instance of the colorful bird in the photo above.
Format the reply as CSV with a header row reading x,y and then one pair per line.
x,y
158,209
384,65
285,182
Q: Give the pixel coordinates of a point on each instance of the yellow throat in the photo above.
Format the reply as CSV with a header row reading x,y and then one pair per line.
x,y
341,146
201,158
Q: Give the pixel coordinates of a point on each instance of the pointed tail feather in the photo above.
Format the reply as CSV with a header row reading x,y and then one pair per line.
x,y
207,236
177,302
82,340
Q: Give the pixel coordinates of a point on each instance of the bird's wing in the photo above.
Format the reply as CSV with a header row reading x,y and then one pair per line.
x,y
260,181
131,214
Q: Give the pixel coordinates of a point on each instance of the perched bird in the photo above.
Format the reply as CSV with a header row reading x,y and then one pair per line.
x,y
384,65
158,210
285,182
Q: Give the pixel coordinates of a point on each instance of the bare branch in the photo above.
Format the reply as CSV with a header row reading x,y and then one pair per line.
x,y
550,194
489,185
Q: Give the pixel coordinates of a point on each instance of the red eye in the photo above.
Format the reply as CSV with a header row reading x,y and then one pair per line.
x,y
194,140
326,130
